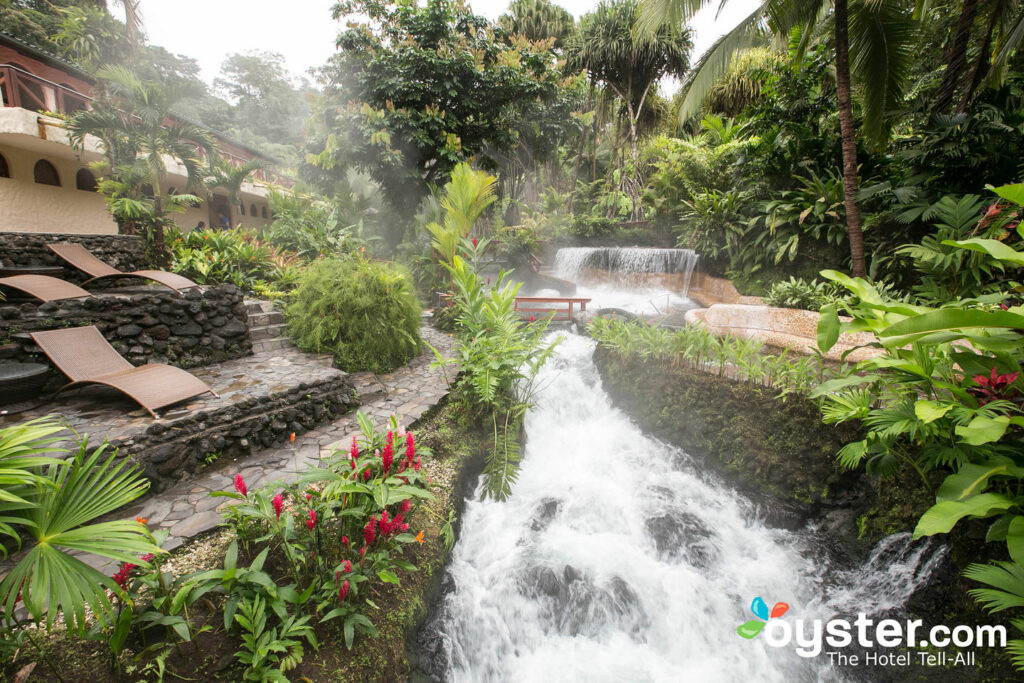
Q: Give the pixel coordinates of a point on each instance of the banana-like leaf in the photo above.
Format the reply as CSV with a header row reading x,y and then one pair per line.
x,y
942,517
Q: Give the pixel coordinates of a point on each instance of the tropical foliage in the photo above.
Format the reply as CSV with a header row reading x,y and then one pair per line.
x,y
363,312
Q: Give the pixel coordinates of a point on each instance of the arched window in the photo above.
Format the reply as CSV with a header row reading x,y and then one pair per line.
x,y
85,180
252,210
46,174
241,209
264,213
5,171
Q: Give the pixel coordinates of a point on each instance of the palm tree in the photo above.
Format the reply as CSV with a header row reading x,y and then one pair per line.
x,y
880,45
628,63
139,133
224,175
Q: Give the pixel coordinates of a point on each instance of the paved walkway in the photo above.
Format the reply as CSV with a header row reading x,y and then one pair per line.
x,y
187,509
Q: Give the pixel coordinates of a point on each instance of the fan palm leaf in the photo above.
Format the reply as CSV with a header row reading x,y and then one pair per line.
x,y
48,577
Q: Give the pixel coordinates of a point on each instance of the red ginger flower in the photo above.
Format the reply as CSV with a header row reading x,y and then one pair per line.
x,y
347,566
405,505
410,448
368,531
353,452
344,541
343,592
278,503
147,557
387,457
240,485
311,520
474,243
123,574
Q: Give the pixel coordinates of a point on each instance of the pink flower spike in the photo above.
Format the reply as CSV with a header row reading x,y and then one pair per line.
x,y
344,541
474,243
240,485
347,567
311,520
343,592
278,503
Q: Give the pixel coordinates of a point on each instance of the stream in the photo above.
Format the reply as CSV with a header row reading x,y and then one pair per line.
x,y
619,558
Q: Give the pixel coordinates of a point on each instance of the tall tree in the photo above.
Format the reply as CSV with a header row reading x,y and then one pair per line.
x,y
418,90
628,63
538,20
874,43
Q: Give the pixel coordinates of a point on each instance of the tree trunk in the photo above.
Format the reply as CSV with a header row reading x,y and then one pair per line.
x,y
956,58
981,64
849,140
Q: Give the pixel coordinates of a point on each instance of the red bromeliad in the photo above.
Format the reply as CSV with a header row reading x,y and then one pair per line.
x,y
994,386
240,485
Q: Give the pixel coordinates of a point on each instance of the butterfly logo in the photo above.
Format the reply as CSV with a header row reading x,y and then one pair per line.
x,y
759,607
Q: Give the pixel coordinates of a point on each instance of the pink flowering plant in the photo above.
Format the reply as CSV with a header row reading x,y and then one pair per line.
x,y
340,525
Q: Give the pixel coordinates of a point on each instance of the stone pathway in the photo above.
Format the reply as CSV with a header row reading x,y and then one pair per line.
x,y
187,509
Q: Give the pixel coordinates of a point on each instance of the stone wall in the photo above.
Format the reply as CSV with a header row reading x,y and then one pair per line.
x,y
764,444
168,452
198,327
124,252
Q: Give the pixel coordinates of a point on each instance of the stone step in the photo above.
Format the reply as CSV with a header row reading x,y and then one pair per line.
x,y
262,319
263,332
266,345
258,306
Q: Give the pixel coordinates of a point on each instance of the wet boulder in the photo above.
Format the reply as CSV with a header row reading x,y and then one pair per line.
x,y
681,536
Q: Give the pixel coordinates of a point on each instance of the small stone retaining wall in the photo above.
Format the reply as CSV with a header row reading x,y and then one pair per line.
x,y
169,451
197,327
124,252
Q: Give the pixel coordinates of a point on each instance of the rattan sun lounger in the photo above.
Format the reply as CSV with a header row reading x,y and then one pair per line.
x,y
44,287
82,259
85,357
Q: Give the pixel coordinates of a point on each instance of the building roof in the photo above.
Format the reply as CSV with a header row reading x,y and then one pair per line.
x,y
44,56
61,63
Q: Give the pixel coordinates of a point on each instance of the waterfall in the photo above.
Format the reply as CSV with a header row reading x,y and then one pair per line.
x,y
618,558
628,265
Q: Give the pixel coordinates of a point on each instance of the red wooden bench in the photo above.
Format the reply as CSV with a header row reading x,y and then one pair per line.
x,y
562,312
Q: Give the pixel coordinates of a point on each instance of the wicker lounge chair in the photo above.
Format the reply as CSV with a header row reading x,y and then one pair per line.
x,y
82,259
85,357
44,287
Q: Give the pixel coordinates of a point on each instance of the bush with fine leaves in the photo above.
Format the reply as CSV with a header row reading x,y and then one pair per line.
x,y
364,312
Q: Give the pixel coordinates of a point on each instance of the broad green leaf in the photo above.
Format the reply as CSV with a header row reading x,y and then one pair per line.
x,y
952,319
982,430
929,411
1011,193
388,576
993,248
972,478
1015,539
828,328
943,516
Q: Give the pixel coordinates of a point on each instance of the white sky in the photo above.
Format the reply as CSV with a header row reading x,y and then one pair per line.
x,y
303,31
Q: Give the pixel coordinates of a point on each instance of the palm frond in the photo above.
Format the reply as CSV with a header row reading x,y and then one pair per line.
x,y
882,45
715,62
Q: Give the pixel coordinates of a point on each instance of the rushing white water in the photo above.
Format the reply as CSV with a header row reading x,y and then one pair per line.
x,y
627,263
616,560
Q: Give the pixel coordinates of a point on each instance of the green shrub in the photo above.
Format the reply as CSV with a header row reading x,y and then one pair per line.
x,y
809,295
364,312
